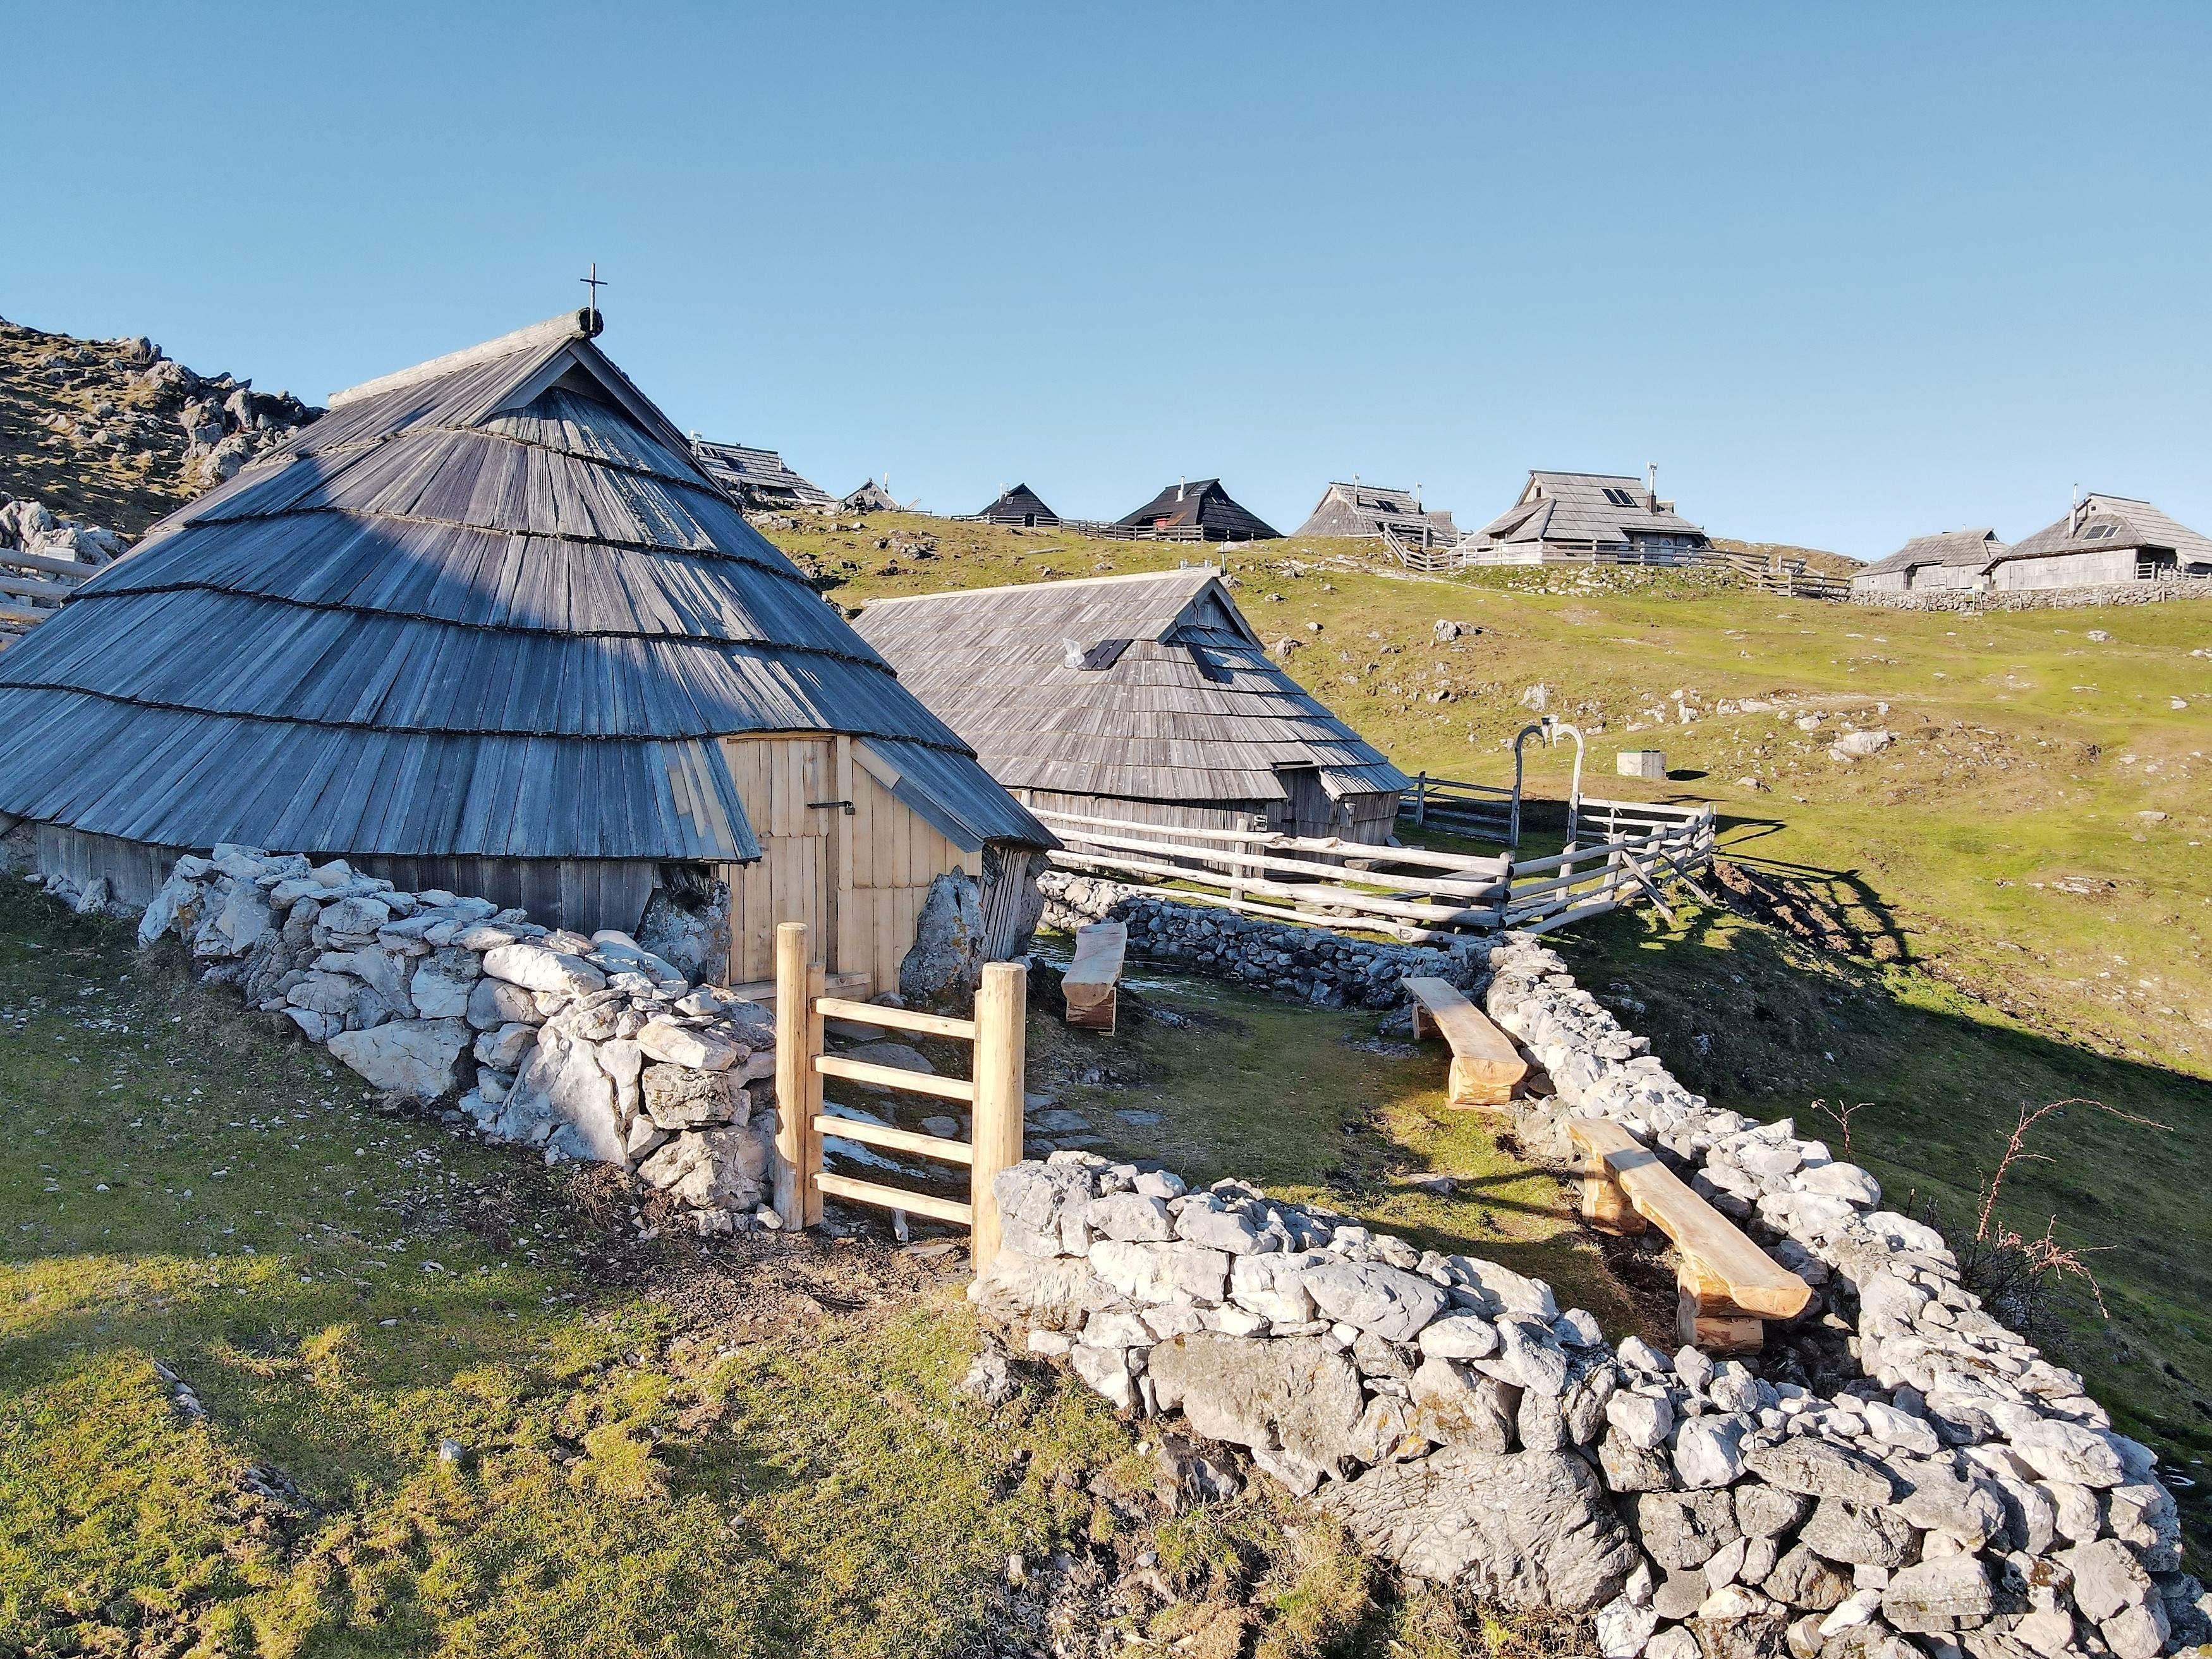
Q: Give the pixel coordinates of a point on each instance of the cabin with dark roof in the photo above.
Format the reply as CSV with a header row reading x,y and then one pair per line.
x,y
1566,517
1952,560
1145,697
870,497
757,479
488,626
1370,511
2102,540
1196,510
1019,505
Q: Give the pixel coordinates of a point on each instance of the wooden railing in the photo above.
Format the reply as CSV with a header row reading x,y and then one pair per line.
x,y
1490,809
32,588
992,1092
1410,894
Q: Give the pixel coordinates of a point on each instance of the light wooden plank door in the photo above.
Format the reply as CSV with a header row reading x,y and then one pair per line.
x,y
789,787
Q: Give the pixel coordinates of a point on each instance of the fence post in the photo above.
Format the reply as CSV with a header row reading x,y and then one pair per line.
x,y
1420,799
1001,1061
797,1200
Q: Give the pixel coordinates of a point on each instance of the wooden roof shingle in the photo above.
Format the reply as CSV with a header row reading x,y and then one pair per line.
x,y
491,607
1190,707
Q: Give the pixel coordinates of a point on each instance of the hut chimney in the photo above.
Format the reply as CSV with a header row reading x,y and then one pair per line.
x,y
1180,483
1651,482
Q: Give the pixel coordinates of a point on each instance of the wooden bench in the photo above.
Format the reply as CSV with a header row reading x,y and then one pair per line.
x,y
1485,1066
1729,1286
1092,984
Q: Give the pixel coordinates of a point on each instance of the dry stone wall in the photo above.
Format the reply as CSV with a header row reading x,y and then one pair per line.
x,y
1309,964
1900,1476
2034,598
587,1049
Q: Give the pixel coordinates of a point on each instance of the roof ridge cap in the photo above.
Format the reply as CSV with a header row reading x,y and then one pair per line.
x,y
566,326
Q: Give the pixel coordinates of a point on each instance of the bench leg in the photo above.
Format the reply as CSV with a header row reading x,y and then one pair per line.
x,y
1705,1318
1425,1024
1605,1202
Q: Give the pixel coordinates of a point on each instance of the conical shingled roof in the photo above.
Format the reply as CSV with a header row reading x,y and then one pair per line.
x,y
489,607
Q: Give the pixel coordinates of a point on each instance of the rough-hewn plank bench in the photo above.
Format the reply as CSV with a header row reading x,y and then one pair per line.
x,y
1729,1286
1485,1066
1092,984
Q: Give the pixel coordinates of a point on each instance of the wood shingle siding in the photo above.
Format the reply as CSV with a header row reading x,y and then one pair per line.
x,y
1202,508
489,610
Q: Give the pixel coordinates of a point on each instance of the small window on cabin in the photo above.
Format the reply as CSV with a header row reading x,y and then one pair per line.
x,y
1621,497
2097,532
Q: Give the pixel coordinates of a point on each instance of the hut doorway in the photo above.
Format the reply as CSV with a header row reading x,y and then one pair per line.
x,y
789,786
1306,808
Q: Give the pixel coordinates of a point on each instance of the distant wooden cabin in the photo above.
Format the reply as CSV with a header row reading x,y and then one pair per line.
x,y
757,477
870,497
1566,517
1951,560
1197,509
488,626
1019,505
2102,540
1145,697
1369,510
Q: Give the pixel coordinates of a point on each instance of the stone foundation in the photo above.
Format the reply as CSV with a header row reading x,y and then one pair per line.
x,y
1306,964
1945,1491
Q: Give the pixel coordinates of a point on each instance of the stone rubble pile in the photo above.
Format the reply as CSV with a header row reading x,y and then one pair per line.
x,y
1310,964
1961,1495
588,1048
2036,598
30,526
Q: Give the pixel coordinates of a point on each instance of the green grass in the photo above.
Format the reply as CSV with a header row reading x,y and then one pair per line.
x,y
2025,929
669,1450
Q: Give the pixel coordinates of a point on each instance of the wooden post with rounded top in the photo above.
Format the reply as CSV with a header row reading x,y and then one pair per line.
x,y
1001,1060
798,983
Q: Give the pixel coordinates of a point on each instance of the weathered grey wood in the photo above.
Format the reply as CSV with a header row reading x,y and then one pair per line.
x,y
1092,985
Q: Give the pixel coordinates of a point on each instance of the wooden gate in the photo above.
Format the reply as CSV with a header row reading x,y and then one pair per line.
x,y
992,1091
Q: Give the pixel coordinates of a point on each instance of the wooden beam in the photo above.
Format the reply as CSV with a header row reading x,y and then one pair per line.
x,y
894,1077
896,1140
897,1019
1092,985
1001,1069
893,1197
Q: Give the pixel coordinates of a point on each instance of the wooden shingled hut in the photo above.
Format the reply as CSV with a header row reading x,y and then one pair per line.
x,y
1019,505
1146,698
488,627
1197,509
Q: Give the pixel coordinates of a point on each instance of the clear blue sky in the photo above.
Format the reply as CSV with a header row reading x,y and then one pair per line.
x,y
1847,274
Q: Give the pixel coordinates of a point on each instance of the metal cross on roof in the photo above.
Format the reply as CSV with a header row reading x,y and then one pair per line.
x,y
593,283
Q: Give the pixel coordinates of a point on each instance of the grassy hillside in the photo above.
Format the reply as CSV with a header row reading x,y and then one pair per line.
x,y
2008,906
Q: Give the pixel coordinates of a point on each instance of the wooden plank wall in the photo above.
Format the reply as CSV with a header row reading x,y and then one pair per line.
x,y
856,879
895,856
583,894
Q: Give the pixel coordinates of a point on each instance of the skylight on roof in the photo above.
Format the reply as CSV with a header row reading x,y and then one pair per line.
x,y
1622,497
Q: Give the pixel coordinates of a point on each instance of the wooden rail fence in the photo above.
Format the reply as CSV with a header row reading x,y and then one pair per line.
x,y
32,588
1410,894
992,1092
1489,810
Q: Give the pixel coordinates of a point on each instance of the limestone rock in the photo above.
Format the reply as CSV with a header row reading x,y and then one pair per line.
x,y
1297,1394
945,964
1053,1293
413,1057
1393,1304
1821,1468
1942,1594
682,1045
563,1081
1862,1535
1534,1529
677,1097
1455,1406
535,968
710,1168
1682,1530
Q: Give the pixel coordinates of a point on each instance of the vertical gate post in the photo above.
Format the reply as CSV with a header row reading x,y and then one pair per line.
x,y
798,1201
1420,800
1001,1061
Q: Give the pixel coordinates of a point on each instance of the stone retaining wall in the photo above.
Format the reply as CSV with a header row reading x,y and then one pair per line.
x,y
589,1049
2036,599
1944,1490
1309,964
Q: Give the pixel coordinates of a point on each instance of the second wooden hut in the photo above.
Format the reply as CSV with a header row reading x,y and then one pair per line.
x,y
1145,698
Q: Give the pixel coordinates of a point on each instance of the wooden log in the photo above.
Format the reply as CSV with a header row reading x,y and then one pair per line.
x,y
1333,845
1092,984
1486,1067
32,588
68,569
894,1139
893,1076
1365,904
795,1078
1001,1067
856,1191
898,1019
